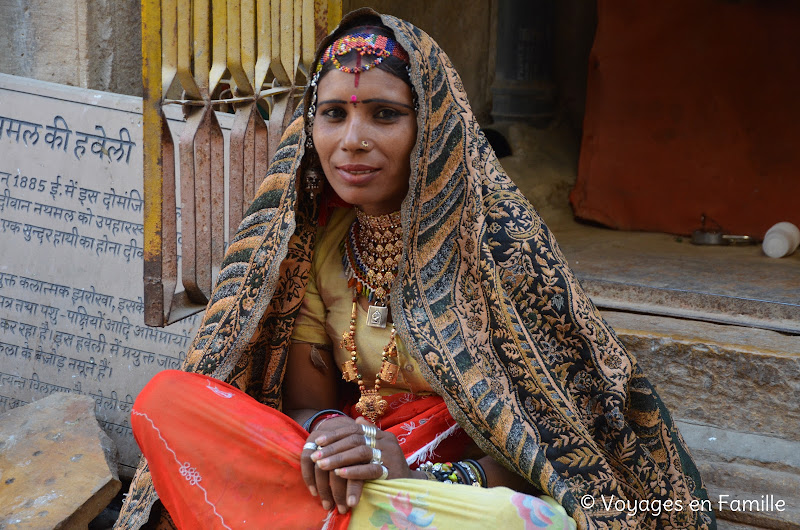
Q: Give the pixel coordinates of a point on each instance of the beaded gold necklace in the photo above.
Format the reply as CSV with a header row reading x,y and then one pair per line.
x,y
371,405
370,255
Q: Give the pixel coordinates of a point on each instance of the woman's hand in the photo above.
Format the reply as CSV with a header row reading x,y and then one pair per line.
x,y
338,469
321,482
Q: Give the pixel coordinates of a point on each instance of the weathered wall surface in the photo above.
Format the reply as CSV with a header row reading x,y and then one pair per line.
x,y
90,44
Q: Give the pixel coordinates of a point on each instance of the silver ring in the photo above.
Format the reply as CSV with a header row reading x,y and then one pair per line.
x,y
385,473
370,441
376,456
311,446
369,430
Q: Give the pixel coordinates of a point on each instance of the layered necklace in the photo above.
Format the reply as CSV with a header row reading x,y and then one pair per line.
x,y
371,253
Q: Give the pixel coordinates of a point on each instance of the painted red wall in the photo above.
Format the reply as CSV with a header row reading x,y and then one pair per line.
x,y
693,107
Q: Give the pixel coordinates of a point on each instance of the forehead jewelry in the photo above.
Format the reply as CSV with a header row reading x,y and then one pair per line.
x,y
354,99
378,46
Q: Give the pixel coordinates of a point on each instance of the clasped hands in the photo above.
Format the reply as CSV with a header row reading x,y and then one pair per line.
x,y
342,453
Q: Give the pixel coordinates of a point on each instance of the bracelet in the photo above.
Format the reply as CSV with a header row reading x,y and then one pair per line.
x,y
463,474
441,472
310,421
476,472
481,473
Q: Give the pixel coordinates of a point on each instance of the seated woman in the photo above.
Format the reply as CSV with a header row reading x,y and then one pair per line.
x,y
435,362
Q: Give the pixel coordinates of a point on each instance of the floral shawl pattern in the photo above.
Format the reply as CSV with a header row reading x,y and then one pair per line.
x,y
485,302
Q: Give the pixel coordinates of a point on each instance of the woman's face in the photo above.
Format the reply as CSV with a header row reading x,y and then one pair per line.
x,y
364,142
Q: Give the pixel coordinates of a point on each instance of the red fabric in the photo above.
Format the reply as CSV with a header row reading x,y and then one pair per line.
x,y
220,459
330,201
692,109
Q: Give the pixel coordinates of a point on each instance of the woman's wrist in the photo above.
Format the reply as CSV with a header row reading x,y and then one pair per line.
x,y
467,472
315,419
419,475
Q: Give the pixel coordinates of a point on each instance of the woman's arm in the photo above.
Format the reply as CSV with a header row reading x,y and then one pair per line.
x,y
310,385
497,475
310,382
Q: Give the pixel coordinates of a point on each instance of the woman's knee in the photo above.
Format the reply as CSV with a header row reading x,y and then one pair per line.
x,y
162,389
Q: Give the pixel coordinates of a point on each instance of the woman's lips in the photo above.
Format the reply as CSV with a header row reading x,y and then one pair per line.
x,y
356,173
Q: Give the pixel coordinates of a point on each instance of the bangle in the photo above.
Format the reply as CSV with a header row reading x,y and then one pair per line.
x,y
307,425
465,476
319,421
482,482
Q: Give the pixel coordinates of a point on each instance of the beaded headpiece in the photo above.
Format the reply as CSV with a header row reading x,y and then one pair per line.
x,y
365,43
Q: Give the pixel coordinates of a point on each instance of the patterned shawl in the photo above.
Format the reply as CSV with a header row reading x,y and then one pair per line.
x,y
488,306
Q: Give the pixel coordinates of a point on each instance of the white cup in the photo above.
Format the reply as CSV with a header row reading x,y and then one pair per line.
x,y
781,240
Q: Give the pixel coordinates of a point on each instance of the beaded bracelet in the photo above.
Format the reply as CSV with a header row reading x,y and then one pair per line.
x,y
307,425
441,472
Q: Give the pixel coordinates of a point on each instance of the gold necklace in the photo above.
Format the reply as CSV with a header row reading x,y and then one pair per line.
x,y
371,404
371,253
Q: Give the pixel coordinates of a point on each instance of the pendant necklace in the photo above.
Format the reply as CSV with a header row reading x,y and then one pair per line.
x,y
370,254
371,404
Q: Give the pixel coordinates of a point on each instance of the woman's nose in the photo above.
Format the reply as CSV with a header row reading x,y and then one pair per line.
x,y
355,133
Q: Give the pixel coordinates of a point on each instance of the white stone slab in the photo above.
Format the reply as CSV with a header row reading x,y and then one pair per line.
x,y
71,308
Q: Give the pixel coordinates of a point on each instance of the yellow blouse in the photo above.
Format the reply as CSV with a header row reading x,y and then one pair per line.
x,y
325,314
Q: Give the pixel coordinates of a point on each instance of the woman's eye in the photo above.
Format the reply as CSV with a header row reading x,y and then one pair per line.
x,y
334,113
387,114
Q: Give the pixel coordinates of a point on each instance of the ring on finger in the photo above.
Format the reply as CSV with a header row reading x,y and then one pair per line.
x,y
385,473
369,430
376,456
370,441
310,446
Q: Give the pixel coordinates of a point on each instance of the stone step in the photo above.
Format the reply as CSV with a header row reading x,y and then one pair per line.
x,y
735,395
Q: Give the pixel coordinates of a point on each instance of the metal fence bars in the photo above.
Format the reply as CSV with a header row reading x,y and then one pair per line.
x,y
248,58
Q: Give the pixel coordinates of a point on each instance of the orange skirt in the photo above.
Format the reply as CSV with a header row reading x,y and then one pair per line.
x,y
221,459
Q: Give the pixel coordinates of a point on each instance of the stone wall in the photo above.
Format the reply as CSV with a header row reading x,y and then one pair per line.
x,y
84,43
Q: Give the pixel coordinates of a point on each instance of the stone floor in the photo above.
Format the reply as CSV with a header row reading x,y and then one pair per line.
x,y
667,275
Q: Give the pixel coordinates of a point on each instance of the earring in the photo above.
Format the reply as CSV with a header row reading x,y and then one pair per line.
x,y
313,180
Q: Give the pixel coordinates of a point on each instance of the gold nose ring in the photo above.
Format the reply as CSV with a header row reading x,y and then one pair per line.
x,y
364,144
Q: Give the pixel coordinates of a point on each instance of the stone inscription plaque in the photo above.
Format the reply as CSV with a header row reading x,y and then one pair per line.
x,y
71,257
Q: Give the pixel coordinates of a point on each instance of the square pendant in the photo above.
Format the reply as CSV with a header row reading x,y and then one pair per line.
x,y
388,372
377,316
349,371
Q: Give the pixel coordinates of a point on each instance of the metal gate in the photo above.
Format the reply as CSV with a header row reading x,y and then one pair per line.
x,y
247,57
